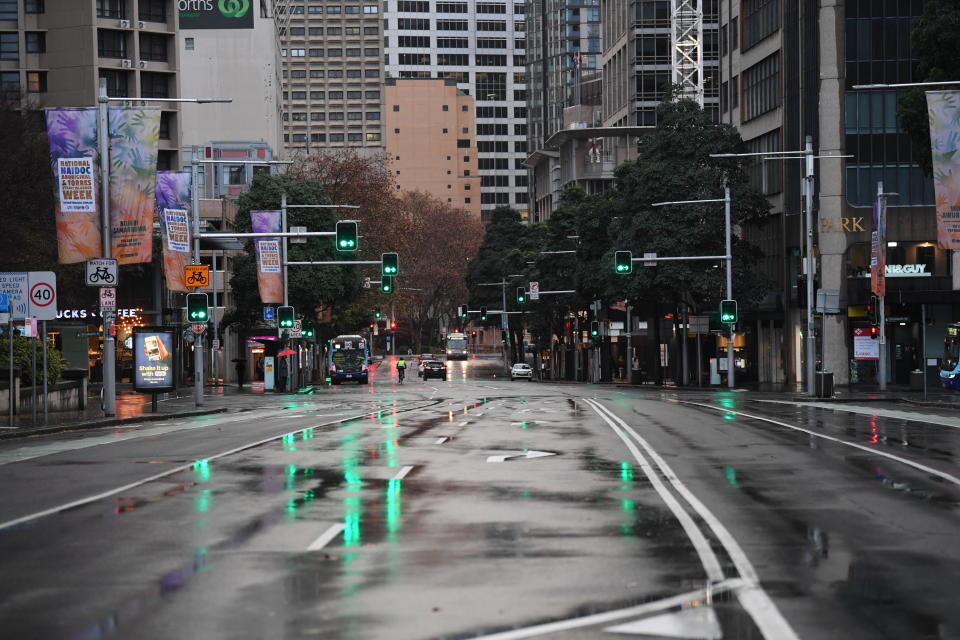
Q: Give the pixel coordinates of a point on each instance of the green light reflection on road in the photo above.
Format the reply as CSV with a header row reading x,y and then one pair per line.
x,y
202,469
731,475
393,507
288,442
201,502
628,506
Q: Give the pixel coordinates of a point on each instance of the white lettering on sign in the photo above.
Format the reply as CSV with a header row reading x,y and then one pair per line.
x,y
907,270
81,314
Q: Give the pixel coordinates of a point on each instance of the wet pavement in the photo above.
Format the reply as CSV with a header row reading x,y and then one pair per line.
x,y
481,507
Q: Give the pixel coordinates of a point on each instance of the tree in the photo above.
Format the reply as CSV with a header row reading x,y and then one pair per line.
x,y
935,44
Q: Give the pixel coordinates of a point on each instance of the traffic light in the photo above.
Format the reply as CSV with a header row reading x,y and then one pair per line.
x,y
521,295
728,311
623,262
197,308
503,337
393,325
308,331
347,236
285,317
874,332
390,264
594,328
873,310
377,313
483,314
386,284
461,311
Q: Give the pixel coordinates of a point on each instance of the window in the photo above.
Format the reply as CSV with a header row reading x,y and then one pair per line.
x,y
111,44
36,81
298,53
414,24
491,86
452,25
414,58
354,95
354,73
520,129
520,197
760,19
33,6
519,112
336,137
766,177
372,95
334,31
315,31
152,10
298,116
317,73
371,31
316,53
489,60
335,73
335,51
107,9
446,107
352,9
445,130
297,31
451,7
491,164
334,9
458,76
520,181
396,107
414,41
314,9
488,25
36,41
371,73
153,47
373,115
491,129
492,146
494,181
164,132
188,44
453,43
491,112
298,73
335,95
454,59
318,116
355,115
353,52
299,137
413,6
371,8
761,87
371,51
463,144
298,95
9,84
116,83
497,197
373,137
9,45
520,95
155,85
318,137
336,115
871,112
485,7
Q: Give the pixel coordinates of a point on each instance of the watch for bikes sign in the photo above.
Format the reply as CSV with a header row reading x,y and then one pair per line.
x,y
102,272
196,275
216,14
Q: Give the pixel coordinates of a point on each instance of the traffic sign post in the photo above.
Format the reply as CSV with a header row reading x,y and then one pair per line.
x,y
101,272
199,327
269,313
534,290
196,275
108,298
30,294
297,330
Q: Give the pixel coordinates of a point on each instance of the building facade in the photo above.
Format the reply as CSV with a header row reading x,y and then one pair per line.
x,y
426,120
54,52
482,47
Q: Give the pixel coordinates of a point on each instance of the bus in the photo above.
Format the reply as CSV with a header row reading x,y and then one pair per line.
x,y
457,346
348,359
950,365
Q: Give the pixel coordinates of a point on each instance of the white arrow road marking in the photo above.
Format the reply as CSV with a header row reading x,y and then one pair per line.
x,y
325,539
441,440
403,473
519,454
696,623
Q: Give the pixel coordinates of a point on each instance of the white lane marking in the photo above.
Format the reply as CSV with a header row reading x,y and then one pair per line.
x,y
463,423
403,472
326,537
529,455
441,440
752,596
929,418
610,616
173,471
707,558
916,465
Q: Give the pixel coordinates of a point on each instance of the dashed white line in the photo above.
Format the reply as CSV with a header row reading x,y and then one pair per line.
x,y
441,440
326,537
403,472
463,423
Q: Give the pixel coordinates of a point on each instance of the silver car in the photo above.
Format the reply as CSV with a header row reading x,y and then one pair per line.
x,y
521,370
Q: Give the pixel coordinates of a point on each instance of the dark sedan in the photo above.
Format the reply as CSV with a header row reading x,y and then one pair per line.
x,y
434,369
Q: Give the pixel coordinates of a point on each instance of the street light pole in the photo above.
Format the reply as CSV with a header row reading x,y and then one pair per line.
x,y
109,343
726,221
811,266
198,374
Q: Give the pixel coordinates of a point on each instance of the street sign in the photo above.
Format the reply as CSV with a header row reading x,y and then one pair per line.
x,y
215,343
31,294
650,263
196,275
366,283
298,240
4,302
269,313
699,324
534,290
108,298
297,330
102,272
199,327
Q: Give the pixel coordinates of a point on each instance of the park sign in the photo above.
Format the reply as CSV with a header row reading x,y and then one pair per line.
x,y
215,14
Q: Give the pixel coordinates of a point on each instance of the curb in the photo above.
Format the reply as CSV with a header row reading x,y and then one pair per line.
x,y
106,422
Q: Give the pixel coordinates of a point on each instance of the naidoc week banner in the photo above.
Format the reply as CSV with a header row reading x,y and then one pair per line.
x,y
269,269
173,215
74,160
134,138
943,109
878,252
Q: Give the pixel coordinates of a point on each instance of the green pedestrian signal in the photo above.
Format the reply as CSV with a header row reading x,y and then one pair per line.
x,y
285,317
197,308
386,284
483,314
347,237
503,337
728,311
594,328
377,313
623,262
390,264
521,295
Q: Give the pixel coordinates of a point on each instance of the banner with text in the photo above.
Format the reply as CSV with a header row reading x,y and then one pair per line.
x,y
943,109
153,351
134,139
74,160
173,214
878,250
269,267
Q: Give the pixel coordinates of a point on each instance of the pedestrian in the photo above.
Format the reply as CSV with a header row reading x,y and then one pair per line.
x,y
241,368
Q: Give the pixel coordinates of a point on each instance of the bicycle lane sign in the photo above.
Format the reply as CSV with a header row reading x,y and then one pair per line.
x,y
32,294
102,272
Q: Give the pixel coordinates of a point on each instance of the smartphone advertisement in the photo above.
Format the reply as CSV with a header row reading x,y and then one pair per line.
x,y
153,359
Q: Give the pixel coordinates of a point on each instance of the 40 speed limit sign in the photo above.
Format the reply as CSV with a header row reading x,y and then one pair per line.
x,y
32,294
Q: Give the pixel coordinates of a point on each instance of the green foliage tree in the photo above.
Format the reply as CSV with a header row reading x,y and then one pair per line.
x,y
935,44
310,287
23,360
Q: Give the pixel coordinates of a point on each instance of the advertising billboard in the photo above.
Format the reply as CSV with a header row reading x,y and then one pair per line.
x,y
215,14
153,368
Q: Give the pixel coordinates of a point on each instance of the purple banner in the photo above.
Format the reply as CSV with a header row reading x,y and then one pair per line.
x,y
269,266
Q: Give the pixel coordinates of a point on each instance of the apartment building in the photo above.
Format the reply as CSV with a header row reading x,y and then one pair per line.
x,y
54,52
482,47
332,74
427,120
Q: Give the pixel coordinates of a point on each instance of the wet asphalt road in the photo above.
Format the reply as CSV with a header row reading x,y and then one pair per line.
x,y
480,506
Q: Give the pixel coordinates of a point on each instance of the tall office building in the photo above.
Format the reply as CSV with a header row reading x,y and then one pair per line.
x,y
482,46
332,74
56,51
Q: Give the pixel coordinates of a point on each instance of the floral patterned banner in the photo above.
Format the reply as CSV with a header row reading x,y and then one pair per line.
x,y
75,162
134,138
943,108
269,268
173,213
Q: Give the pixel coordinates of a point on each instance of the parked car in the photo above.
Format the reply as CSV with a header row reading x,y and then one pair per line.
x,y
521,370
434,369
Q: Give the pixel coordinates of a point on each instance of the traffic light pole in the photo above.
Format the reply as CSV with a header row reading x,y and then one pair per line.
x,y
198,375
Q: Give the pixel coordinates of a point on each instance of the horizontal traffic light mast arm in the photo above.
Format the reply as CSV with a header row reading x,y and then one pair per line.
x,y
544,293
324,206
491,312
268,234
331,262
680,258
550,252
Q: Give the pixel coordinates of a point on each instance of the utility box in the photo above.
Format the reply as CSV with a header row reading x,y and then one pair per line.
x,y
824,384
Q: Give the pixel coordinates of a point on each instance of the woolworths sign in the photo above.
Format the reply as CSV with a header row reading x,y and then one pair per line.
x,y
215,14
